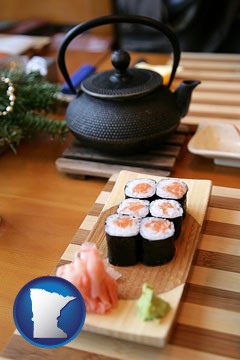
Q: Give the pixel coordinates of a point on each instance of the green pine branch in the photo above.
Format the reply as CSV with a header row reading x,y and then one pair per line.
x,y
35,98
33,123
10,135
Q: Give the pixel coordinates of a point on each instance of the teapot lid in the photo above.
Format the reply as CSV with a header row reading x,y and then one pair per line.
x,y
122,82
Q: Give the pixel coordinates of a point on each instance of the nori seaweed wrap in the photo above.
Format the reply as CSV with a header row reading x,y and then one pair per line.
x,y
168,209
123,240
157,241
134,207
174,189
144,189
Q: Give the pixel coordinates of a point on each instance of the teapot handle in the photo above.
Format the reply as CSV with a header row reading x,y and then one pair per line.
x,y
116,19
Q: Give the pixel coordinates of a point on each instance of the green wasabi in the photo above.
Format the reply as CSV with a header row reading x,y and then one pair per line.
x,y
150,306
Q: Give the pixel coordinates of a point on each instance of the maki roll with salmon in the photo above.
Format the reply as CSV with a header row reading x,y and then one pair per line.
x,y
134,207
143,189
173,189
157,241
122,234
168,209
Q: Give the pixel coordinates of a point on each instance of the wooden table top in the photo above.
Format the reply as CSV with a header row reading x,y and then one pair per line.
x,y
207,323
41,209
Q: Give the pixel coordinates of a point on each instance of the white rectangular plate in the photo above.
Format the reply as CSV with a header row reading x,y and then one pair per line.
x,y
220,142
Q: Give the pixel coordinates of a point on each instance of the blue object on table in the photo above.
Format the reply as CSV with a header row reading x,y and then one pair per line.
x,y
77,77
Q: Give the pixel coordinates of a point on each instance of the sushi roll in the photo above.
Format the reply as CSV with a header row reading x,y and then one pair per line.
x,y
122,234
143,189
157,241
134,207
168,209
174,189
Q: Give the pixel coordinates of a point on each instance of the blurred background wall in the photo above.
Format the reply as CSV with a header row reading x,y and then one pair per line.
x,y
56,11
200,25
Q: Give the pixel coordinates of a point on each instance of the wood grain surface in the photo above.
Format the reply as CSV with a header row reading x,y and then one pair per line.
x,y
208,321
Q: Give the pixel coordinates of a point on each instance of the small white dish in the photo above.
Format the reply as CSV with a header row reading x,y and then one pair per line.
x,y
220,142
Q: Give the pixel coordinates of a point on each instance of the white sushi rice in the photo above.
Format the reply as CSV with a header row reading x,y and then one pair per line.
x,y
112,228
131,186
127,207
166,208
163,184
147,230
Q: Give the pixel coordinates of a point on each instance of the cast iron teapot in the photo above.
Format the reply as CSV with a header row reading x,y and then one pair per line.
x,y
125,110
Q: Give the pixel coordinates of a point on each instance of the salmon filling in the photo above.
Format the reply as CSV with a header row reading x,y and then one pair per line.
x,y
175,188
158,225
123,222
165,207
142,188
134,206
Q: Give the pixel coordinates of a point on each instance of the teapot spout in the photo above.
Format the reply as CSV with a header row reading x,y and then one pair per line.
x,y
183,95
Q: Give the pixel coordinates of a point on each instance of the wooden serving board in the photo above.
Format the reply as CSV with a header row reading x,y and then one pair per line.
x,y
167,280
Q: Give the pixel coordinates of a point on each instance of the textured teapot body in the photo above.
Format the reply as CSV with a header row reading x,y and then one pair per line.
x,y
124,126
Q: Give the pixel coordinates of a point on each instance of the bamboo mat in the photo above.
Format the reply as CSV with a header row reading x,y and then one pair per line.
x,y
77,160
217,98
208,322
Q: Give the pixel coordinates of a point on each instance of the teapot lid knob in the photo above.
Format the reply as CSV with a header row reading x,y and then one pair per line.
x,y
120,60
123,82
